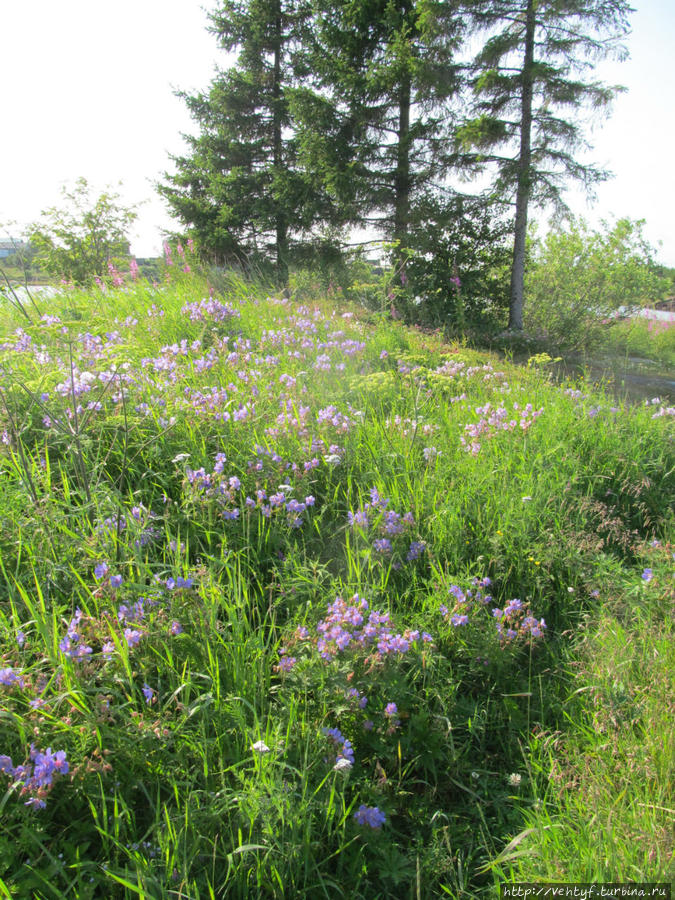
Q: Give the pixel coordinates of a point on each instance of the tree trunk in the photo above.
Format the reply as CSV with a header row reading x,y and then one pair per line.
x,y
281,244
524,175
402,173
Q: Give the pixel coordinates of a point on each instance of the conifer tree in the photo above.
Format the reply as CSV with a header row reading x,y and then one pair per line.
x,y
239,188
383,77
531,80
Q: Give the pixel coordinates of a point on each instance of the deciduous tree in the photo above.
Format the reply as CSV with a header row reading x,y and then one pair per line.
x,y
78,239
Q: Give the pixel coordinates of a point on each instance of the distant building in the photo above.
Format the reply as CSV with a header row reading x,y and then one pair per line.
x,y
9,248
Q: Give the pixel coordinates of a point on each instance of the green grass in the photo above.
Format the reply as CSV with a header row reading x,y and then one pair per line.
x,y
599,806
645,339
165,796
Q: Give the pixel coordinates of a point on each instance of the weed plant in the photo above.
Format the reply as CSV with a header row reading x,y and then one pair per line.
x,y
298,602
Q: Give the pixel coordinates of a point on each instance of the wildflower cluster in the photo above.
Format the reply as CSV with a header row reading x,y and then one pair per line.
x,y
210,309
494,420
411,426
35,778
512,622
345,751
515,621
128,623
351,626
661,409
233,503
139,522
10,677
457,369
376,518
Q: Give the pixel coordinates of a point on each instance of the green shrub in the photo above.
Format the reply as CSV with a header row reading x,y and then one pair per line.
x,y
578,280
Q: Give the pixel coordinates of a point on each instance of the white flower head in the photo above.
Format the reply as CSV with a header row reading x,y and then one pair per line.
x,y
260,747
514,779
342,765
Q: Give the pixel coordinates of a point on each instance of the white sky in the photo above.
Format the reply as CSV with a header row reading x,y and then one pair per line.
x,y
86,89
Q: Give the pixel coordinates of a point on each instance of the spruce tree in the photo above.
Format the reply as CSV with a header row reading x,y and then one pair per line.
x,y
530,83
239,189
382,82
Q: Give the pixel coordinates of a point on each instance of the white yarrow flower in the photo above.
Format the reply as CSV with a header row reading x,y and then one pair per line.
x,y
342,765
260,747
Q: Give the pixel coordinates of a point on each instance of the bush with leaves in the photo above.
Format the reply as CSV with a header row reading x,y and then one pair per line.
x,y
79,239
580,282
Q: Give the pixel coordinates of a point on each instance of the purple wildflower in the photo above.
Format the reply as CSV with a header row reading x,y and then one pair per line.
x,y
370,815
9,677
148,693
132,636
359,518
382,545
286,663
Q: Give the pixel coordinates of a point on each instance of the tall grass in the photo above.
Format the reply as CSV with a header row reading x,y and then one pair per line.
x,y
188,485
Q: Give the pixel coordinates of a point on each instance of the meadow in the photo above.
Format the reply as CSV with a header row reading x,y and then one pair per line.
x,y
296,601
